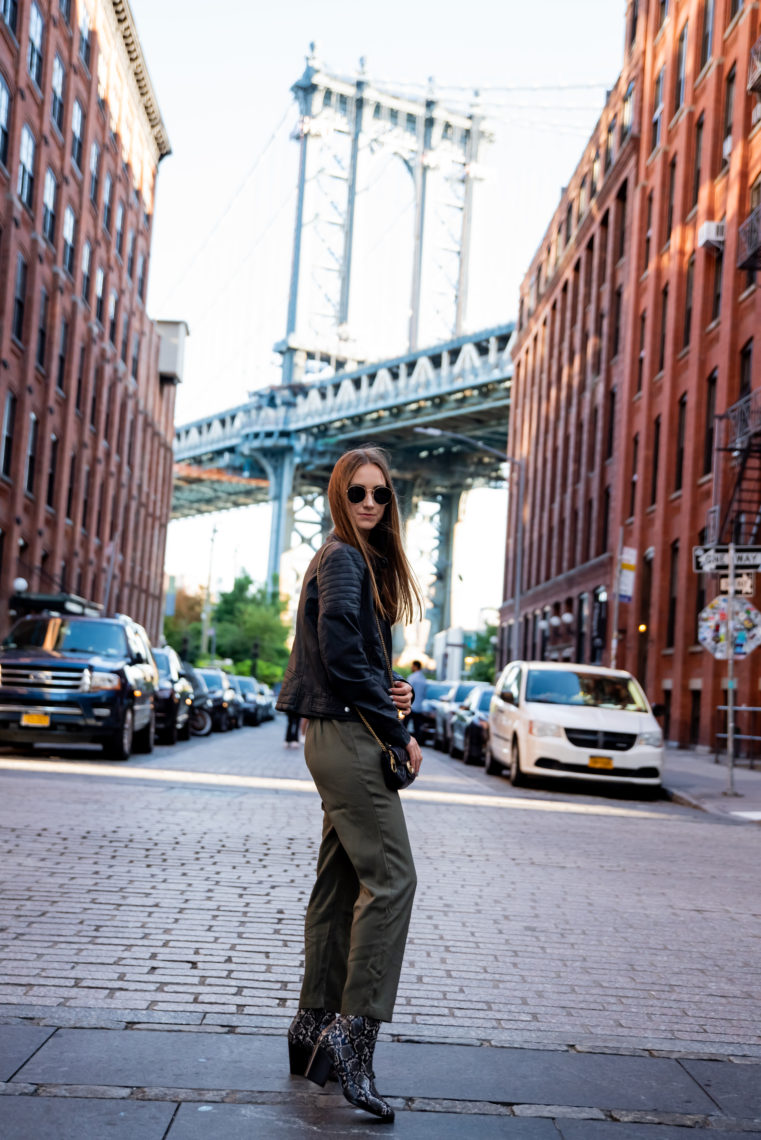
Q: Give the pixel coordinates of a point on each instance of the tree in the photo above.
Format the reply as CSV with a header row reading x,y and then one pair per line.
x,y
244,615
485,664
183,629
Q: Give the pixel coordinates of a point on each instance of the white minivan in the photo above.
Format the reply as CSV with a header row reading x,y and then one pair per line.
x,y
559,719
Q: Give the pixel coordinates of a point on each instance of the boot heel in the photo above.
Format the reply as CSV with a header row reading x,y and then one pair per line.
x,y
318,1069
298,1055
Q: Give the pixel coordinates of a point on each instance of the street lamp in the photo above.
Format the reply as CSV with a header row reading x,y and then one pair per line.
x,y
520,464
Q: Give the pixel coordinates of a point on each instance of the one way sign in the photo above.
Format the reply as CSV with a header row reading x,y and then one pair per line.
x,y
712,559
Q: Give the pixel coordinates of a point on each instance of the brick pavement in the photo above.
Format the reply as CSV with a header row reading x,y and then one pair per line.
x,y
542,918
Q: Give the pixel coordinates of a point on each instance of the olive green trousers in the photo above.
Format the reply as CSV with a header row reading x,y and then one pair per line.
x,y
359,911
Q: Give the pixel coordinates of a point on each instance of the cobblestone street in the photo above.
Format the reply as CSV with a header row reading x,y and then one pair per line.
x,y
172,890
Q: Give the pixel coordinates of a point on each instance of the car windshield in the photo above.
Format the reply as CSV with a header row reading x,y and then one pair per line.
x,y
575,687
58,634
246,684
214,679
162,662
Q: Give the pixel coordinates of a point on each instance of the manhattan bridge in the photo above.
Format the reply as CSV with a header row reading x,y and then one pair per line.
x,y
441,408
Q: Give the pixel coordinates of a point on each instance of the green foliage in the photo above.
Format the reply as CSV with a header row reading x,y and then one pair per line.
x,y
244,615
484,667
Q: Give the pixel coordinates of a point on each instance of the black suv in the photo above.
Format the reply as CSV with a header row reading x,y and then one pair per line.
x,y
78,680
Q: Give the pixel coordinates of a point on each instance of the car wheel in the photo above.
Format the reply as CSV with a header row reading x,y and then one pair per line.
x,y
119,746
454,751
517,778
146,738
184,732
494,767
470,756
200,722
171,733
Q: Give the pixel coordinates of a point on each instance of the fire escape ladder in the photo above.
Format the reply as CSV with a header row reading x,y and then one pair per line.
x,y
742,519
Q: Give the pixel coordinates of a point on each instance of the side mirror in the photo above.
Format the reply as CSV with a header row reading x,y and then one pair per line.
x,y
507,696
659,710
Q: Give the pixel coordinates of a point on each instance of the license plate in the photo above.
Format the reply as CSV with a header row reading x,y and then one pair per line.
x,y
600,761
35,720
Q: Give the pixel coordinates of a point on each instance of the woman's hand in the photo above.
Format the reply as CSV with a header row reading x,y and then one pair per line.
x,y
401,695
414,754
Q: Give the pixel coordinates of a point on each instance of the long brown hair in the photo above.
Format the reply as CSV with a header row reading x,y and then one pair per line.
x,y
395,588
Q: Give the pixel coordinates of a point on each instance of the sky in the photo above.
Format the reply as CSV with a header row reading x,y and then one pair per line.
x,y
225,197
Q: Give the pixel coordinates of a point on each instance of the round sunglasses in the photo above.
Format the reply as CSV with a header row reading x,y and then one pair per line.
x,y
381,495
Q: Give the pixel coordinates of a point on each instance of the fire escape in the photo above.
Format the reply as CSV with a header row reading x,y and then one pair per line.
x,y
740,519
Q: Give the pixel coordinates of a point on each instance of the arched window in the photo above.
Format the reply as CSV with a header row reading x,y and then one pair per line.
x,y
49,201
69,230
25,184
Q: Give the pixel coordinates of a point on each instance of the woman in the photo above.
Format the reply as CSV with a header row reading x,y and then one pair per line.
x,y
356,586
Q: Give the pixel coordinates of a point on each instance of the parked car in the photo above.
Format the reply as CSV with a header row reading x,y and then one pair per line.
x,y
266,701
238,704
78,680
446,707
200,711
470,726
434,691
174,697
557,719
224,699
252,700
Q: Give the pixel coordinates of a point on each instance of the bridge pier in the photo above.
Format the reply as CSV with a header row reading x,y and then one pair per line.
x,y
280,468
440,611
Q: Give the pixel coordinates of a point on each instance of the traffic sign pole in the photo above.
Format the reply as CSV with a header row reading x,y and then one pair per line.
x,y
730,791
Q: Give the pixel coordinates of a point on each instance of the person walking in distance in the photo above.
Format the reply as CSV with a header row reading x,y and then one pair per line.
x,y
356,586
418,682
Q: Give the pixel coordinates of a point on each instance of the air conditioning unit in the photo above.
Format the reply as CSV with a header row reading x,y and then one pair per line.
x,y
711,234
726,148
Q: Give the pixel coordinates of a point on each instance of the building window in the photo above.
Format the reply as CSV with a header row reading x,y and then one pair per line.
x,y
663,11
746,369
42,330
77,133
681,428
80,377
681,70
568,223
9,12
72,481
710,406
656,459
19,300
99,278
141,276
706,41
627,113
5,114
633,479
31,453
131,254
617,311
52,471
125,340
113,315
135,355
94,172
655,134
605,521
63,352
56,106
119,228
698,159
34,47
25,183
672,195
621,199
49,202
642,342
729,106
610,145
65,10
108,187
648,230
673,595
595,174
9,423
69,230
734,8
718,270
85,498
664,319
85,46
86,276
688,291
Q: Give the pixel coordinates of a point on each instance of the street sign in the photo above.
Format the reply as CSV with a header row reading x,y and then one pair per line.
x,y
626,572
745,585
714,623
712,559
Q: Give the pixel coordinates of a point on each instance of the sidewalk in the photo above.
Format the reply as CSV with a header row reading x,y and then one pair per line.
x,y
694,779
155,1084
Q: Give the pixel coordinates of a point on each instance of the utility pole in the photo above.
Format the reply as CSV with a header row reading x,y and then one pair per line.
x,y
730,789
206,616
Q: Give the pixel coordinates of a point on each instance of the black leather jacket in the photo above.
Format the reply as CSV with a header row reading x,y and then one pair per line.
x,y
337,664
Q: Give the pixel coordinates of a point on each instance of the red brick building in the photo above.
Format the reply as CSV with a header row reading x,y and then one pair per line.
x,y
636,335
86,418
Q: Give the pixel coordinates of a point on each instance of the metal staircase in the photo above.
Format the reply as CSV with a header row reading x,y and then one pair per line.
x,y
741,517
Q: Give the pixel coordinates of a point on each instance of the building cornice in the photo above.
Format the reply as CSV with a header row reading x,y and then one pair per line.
x,y
128,30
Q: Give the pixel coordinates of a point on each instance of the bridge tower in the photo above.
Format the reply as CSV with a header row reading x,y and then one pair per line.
x,y
345,127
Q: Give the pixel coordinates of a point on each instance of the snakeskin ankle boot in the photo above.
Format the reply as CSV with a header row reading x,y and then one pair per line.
x,y
347,1045
304,1030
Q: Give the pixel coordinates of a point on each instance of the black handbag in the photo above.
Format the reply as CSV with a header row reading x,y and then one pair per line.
x,y
397,771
